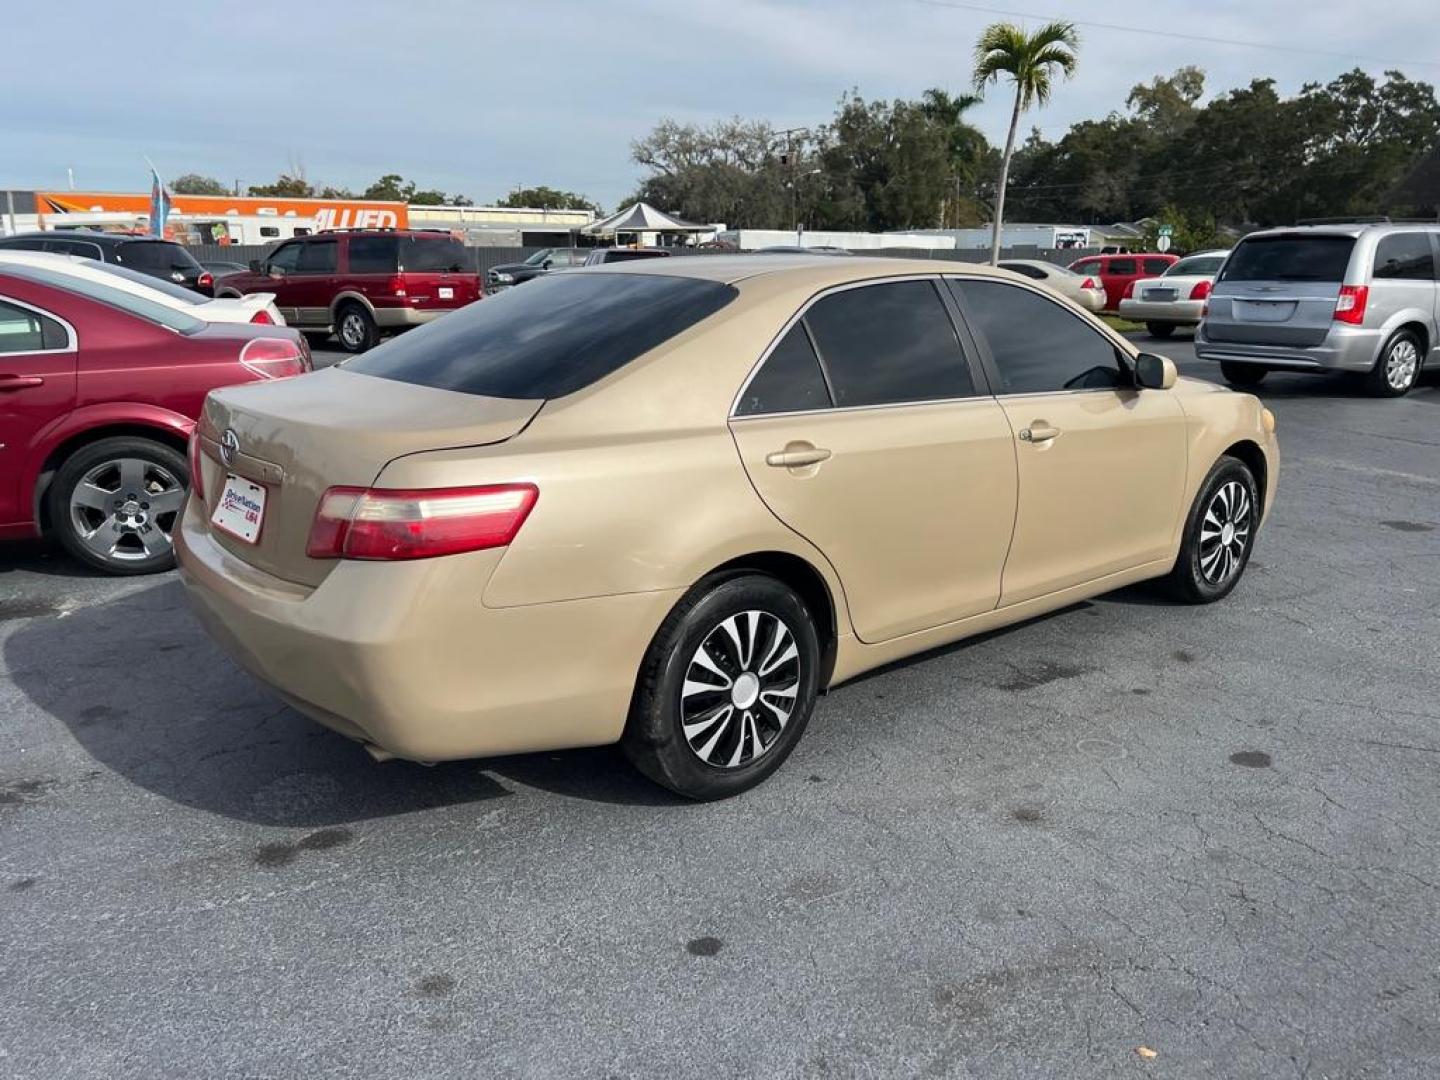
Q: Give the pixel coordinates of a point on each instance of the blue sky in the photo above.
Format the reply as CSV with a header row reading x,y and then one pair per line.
x,y
479,97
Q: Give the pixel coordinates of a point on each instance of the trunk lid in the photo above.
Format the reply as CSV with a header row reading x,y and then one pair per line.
x,y
1279,289
298,437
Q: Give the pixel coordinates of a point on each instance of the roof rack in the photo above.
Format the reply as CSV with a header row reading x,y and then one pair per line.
x,y
1352,219
364,228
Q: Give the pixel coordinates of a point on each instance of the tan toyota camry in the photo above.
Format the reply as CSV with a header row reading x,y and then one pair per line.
x,y
666,503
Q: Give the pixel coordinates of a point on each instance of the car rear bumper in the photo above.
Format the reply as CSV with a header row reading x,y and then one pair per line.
x,y
391,318
1345,348
404,655
1180,312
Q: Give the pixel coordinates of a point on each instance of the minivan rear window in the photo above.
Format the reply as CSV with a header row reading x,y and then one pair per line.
x,y
555,336
1289,258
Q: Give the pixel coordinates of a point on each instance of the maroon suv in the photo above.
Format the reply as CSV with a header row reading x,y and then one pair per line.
x,y
360,283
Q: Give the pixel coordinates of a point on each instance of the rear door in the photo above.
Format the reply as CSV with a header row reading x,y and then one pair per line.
x,y
439,272
279,277
37,385
1279,289
868,431
370,267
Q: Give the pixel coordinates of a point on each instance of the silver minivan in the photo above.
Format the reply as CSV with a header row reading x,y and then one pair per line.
x,y
1359,297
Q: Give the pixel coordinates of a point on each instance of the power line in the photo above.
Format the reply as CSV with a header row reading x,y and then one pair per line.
x,y
1202,38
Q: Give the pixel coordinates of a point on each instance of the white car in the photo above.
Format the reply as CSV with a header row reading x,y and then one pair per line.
x,y
1085,291
255,308
1175,298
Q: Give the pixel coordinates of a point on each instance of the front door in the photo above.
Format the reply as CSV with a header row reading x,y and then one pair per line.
x,y
37,384
1102,464
864,432
278,276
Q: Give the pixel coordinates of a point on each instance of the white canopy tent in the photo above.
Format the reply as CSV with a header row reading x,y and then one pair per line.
x,y
643,218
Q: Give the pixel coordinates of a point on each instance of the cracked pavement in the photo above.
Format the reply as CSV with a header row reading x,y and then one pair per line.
x,y
1211,832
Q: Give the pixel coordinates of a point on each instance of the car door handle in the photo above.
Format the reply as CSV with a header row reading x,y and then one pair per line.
x,y
1038,432
797,458
20,382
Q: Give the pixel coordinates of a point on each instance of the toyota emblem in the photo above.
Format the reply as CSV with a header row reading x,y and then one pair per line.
x,y
229,446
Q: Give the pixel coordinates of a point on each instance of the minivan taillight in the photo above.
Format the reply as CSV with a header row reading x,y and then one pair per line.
x,y
1201,290
273,358
263,317
197,478
417,523
1350,304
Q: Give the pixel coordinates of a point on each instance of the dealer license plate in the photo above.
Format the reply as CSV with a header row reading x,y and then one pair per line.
x,y
447,293
241,509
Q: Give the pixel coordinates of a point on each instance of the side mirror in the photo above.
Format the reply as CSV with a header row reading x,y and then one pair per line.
x,y
255,266
1155,372
547,264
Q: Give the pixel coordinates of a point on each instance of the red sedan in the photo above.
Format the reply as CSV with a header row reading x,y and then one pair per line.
x,y
99,391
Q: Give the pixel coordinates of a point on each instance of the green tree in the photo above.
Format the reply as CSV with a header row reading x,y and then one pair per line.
x,y
728,171
392,187
195,184
1031,61
885,165
967,150
287,186
547,198
330,191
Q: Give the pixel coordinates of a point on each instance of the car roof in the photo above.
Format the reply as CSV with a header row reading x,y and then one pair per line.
x,y
89,236
793,269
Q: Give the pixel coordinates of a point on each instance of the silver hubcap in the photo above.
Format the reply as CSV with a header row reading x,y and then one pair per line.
x,y
352,329
740,689
1401,364
125,509
1224,533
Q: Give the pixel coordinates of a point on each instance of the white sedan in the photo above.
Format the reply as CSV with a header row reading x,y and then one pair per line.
x,y
1177,297
1083,290
255,308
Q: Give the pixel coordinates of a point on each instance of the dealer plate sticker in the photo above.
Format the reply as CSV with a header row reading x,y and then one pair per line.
x,y
447,293
241,509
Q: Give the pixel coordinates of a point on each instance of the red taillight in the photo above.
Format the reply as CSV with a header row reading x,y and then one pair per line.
x,y
205,281
417,523
1089,283
1201,290
397,285
197,478
263,317
1129,293
273,358
1350,305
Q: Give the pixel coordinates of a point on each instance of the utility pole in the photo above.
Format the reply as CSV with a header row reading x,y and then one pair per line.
x,y
10,208
788,159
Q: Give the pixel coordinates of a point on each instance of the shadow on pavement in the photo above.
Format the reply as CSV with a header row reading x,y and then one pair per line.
x,y
42,557
142,689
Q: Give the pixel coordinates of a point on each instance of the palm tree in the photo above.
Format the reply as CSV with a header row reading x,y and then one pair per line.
x,y
1030,60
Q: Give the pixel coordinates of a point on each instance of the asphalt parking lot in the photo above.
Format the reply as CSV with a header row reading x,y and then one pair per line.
x,y
1209,832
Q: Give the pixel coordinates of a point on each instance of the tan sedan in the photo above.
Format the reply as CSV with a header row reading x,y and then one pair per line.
x,y
667,503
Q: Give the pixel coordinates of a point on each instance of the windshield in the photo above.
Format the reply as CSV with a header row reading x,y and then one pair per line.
x,y
1196,264
538,258
1290,258
149,310
170,289
555,336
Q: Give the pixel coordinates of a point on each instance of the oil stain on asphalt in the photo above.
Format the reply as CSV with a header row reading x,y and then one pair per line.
x,y
703,946
1040,674
1251,759
282,854
1408,526
435,986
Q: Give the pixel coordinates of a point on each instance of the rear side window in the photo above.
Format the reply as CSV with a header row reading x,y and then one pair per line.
x,y
157,255
374,254
1156,266
1405,256
29,243
790,381
317,257
1037,345
884,344
74,247
149,310
1289,258
23,331
555,336
441,255
1120,267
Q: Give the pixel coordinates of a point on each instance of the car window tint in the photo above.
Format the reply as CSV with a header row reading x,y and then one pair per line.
x,y
1037,345
23,330
789,381
27,243
374,254
883,344
286,257
1405,256
157,255
1156,266
555,336
1120,267
73,247
1024,268
317,257
1195,265
1287,257
150,310
440,254
1086,266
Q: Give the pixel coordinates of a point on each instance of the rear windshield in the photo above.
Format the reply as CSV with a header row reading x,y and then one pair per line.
x,y
157,255
440,254
553,337
1290,258
150,310
1198,264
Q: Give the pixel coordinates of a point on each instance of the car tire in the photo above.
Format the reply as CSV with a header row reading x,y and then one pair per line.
x,y
752,639
1159,329
1397,368
1219,534
1242,374
355,328
115,504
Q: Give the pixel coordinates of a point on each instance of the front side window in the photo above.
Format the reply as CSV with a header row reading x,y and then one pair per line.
x,y
1405,257
317,257
889,343
26,331
374,254
286,258
1037,345
789,381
